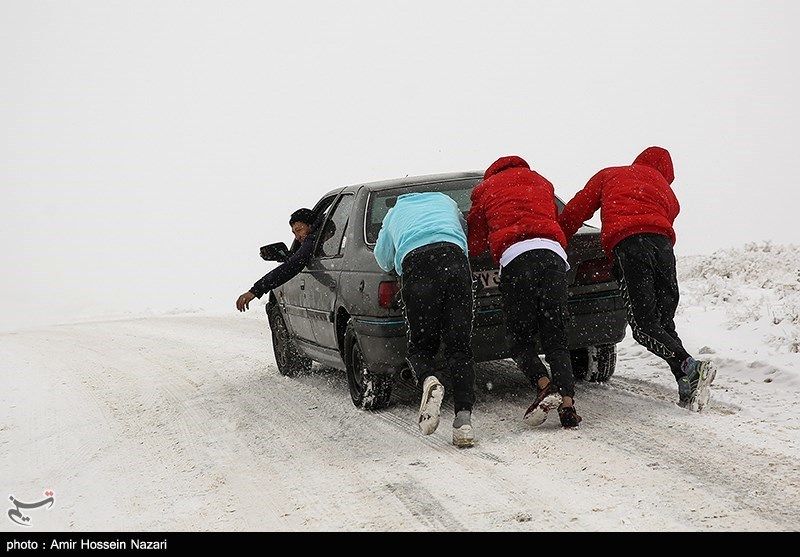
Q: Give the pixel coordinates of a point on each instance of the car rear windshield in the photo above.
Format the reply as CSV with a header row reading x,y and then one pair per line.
x,y
381,201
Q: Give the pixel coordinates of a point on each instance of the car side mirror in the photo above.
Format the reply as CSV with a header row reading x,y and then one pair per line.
x,y
275,252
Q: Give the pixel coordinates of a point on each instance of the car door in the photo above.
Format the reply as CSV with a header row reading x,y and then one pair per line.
x,y
324,270
292,296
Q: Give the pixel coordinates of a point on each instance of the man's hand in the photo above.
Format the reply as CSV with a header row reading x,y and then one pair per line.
x,y
243,303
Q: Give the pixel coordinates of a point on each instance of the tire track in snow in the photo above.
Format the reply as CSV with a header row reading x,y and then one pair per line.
x,y
761,481
156,406
423,506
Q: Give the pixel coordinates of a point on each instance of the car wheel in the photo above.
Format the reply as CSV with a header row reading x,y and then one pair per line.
x,y
596,363
605,362
290,362
369,391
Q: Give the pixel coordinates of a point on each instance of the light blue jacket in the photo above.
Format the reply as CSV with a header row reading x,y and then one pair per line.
x,y
416,220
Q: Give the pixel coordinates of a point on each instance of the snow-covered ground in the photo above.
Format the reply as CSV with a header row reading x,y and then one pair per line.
x,y
182,422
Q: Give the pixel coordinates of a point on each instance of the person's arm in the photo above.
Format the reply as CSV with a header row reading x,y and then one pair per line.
x,y
585,203
384,247
477,230
287,270
675,207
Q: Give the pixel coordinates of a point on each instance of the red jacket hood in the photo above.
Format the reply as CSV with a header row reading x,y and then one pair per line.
x,y
504,163
658,158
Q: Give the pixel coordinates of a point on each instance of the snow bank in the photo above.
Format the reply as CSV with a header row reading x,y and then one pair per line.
x,y
757,286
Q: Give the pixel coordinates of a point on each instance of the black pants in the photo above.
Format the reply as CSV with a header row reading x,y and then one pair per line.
x,y
644,266
437,295
534,288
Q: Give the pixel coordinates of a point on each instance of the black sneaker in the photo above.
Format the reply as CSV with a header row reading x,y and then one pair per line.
x,y
569,416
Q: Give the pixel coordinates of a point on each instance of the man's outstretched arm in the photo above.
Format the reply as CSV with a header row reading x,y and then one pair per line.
x,y
281,274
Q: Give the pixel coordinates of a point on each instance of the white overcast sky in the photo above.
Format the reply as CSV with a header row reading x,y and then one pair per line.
x,y
147,149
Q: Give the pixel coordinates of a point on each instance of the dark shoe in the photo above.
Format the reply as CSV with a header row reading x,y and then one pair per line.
x,y
694,388
548,399
569,417
684,391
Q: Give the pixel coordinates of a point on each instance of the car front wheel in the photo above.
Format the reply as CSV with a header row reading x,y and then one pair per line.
x,y
288,359
369,391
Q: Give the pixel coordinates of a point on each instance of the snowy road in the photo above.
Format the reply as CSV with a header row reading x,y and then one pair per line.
x,y
184,423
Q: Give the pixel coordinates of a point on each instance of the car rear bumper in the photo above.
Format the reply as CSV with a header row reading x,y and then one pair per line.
x,y
593,320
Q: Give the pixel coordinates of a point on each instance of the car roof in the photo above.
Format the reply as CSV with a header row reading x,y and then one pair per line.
x,y
410,181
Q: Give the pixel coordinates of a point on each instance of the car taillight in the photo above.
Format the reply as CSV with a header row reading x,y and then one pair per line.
x,y
387,293
594,271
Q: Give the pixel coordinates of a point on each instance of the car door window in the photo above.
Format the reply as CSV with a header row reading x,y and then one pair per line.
x,y
330,241
323,207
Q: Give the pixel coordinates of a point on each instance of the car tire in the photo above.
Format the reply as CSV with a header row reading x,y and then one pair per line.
x,y
595,364
288,359
606,357
369,391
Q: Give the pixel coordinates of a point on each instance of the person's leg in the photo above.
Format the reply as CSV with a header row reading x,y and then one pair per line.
x,y
668,296
518,284
422,308
694,377
635,269
552,322
530,363
457,339
518,291
422,300
457,330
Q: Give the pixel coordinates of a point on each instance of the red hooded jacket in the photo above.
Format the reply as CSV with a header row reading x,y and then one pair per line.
x,y
633,199
513,203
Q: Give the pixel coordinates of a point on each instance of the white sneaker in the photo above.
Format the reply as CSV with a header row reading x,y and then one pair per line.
x,y
706,372
431,404
463,437
463,434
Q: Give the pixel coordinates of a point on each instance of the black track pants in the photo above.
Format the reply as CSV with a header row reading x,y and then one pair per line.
x,y
644,266
534,288
437,295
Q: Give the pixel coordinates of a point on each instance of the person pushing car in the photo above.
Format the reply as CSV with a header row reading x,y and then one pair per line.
x,y
637,210
422,238
514,215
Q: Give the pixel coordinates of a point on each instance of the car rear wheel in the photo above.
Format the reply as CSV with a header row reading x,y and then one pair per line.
x,y
595,364
290,362
369,391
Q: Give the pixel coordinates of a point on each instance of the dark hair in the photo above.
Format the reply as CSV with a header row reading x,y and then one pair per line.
x,y
302,215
